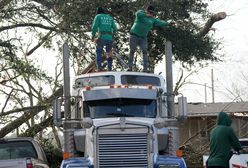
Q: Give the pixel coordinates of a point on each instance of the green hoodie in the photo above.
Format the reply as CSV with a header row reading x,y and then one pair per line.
x,y
222,139
104,24
143,24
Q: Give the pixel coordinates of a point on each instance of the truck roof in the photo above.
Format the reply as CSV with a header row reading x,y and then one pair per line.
x,y
106,79
119,73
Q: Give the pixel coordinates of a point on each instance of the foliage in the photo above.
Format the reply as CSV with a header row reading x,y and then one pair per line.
x,y
54,155
192,156
72,19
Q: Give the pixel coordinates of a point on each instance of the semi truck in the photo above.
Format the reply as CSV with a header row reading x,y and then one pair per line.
x,y
118,119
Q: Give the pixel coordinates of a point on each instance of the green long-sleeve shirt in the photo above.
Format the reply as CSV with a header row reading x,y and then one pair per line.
x,y
104,24
222,139
143,23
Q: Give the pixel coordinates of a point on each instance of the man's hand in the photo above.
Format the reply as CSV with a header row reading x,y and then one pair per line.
x,y
93,39
154,31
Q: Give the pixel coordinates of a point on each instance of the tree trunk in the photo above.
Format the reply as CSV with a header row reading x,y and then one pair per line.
x,y
34,130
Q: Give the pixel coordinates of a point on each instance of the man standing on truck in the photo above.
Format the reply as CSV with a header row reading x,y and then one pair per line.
x,y
103,28
222,139
144,22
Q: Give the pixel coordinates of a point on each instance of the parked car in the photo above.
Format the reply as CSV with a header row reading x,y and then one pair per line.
x,y
22,152
238,160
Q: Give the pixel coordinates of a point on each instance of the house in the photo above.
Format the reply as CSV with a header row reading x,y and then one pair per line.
x,y
202,118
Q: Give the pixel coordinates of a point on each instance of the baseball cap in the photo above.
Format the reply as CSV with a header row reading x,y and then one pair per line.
x,y
151,8
100,10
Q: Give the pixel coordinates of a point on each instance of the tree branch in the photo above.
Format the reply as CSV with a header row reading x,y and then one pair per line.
x,y
214,18
3,3
32,108
27,25
34,130
6,101
43,40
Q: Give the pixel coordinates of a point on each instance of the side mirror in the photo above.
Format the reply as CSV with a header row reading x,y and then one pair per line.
x,y
57,112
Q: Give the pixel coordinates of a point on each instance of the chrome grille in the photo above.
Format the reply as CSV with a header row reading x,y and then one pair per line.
x,y
123,150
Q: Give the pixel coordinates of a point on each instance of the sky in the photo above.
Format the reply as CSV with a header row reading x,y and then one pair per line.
x,y
228,76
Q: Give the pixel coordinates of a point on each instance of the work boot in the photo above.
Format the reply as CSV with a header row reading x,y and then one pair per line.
x,y
110,62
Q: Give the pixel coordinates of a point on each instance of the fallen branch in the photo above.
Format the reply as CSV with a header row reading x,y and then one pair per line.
x,y
214,18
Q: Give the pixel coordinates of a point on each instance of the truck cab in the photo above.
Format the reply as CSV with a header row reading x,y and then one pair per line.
x,y
120,119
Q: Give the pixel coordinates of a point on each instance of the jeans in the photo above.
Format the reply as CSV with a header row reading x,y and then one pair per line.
x,y
100,44
136,41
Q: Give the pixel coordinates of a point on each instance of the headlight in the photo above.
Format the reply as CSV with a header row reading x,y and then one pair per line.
x,y
169,166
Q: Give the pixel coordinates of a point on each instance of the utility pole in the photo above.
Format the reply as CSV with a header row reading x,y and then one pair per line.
x,y
205,91
212,79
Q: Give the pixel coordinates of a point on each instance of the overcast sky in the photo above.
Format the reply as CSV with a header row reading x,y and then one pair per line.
x,y
232,31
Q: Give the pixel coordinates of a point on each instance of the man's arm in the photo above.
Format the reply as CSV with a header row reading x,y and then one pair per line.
x,y
235,141
161,23
95,26
114,26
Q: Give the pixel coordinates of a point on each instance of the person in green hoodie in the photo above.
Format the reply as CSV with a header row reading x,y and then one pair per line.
x,y
103,28
144,22
222,140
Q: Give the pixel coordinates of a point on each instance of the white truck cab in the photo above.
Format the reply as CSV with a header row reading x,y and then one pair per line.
x,y
119,119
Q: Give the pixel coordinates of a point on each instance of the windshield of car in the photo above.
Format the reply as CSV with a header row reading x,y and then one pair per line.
x,y
120,107
16,149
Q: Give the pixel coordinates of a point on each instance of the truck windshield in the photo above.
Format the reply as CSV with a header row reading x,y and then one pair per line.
x,y
16,149
140,80
120,108
106,80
